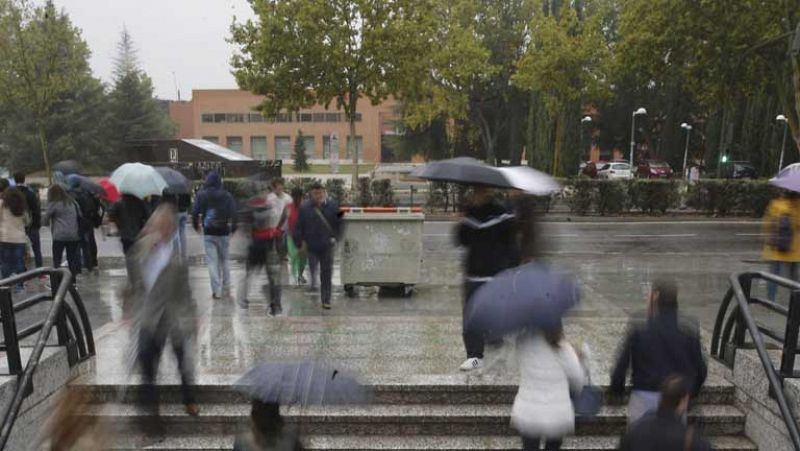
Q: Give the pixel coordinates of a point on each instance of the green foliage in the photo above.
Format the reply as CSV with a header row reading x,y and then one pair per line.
x,y
300,157
611,197
304,183
364,192
723,197
336,190
652,196
580,197
382,193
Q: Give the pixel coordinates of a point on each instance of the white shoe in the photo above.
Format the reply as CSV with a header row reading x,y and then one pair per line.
x,y
471,364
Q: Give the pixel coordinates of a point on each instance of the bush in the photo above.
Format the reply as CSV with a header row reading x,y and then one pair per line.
x,y
382,193
336,190
304,183
580,196
364,193
755,197
611,197
652,196
722,197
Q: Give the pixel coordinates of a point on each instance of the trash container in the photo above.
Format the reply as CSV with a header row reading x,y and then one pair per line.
x,y
381,247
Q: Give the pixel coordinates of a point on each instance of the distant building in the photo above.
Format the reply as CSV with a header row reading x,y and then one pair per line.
x,y
227,117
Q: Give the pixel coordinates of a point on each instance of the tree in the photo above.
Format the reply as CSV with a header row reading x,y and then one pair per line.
x,y
300,157
43,67
301,52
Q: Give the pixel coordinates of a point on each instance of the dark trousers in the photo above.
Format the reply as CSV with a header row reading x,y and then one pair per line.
x,y
532,444
264,254
473,342
73,249
36,246
89,249
325,261
151,344
12,259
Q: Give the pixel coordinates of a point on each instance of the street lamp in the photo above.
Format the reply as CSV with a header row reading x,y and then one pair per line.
x,y
586,120
688,129
782,118
639,112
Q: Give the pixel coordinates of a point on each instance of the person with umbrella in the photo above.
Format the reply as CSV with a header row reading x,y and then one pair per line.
x,y
781,240
62,216
179,193
91,216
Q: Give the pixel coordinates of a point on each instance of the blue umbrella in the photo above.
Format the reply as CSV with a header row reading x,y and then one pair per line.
x,y
532,295
303,383
788,178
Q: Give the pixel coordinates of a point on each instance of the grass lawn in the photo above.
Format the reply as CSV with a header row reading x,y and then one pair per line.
x,y
316,169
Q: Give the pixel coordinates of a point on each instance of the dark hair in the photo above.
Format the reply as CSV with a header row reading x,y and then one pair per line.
x,y
554,334
19,178
673,391
315,185
297,193
277,181
14,200
667,291
57,193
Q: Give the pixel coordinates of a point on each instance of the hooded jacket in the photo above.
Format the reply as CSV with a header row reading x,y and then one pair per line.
x,y
488,234
216,206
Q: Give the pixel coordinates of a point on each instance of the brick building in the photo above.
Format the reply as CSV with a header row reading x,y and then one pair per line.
x,y
226,117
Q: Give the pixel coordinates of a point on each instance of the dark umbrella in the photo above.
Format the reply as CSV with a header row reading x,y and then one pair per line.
x,y
462,170
67,167
529,296
304,383
177,183
87,184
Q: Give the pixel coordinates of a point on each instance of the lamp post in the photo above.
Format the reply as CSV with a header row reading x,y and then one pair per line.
x,y
639,112
782,118
586,120
688,129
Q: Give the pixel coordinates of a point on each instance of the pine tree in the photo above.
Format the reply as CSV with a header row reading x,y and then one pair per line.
x,y
300,157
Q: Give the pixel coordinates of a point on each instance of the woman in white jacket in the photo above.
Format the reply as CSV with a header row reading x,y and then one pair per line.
x,y
549,370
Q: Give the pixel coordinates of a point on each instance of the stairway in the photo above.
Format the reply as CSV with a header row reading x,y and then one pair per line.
x,y
420,413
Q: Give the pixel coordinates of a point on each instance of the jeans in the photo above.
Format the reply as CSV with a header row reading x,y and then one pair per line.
x,y
73,249
219,268
36,246
325,261
12,259
264,253
779,269
473,342
532,444
89,249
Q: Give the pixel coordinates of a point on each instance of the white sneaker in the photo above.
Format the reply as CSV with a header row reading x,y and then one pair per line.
x,y
471,364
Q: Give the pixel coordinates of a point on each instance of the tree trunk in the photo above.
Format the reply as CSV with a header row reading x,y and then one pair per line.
x,y
559,144
351,145
43,144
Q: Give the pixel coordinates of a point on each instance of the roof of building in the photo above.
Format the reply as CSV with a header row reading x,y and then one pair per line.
x,y
218,150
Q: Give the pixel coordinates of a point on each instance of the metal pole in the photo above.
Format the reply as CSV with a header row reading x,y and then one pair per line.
x,y
686,152
783,145
633,136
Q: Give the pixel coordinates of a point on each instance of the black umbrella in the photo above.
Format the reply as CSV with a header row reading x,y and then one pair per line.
x,y
177,183
86,184
67,167
463,170
532,295
304,383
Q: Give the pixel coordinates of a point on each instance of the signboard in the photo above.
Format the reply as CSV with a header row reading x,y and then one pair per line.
x,y
173,154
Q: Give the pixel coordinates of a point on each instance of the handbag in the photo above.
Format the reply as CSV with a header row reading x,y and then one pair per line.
x,y
588,401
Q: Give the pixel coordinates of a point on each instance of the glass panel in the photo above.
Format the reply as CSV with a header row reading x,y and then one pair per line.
x,y
234,117
283,117
359,148
212,139
234,143
207,117
304,117
283,148
311,151
258,147
255,117
358,117
319,117
327,145
333,117
219,117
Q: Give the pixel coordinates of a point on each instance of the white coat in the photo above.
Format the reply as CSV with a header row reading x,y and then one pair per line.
x,y
543,407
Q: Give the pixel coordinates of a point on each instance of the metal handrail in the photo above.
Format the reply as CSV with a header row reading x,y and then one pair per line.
x,y
741,317
59,314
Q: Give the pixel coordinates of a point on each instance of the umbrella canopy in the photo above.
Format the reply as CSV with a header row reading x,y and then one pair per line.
x,y
788,178
473,172
110,191
86,184
139,180
303,383
530,180
529,296
177,183
67,167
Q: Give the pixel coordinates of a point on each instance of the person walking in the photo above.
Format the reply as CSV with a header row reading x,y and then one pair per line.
x,y
183,204
665,429
549,370
35,210
129,214
781,243
297,257
14,219
487,233
217,208
62,215
317,229
653,351
281,200
91,216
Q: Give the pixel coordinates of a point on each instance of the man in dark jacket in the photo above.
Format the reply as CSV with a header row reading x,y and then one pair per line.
x,y
217,208
657,349
35,208
664,430
130,214
316,231
91,216
487,233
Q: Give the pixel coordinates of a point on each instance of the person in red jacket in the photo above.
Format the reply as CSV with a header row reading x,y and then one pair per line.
x,y
297,258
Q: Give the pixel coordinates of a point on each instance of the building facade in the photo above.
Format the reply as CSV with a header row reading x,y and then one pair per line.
x,y
227,117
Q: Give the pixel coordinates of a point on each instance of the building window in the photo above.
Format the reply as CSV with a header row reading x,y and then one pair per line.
x,y
212,139
329,146
234,117
219,117
333,117
283,148
234,143
319,117
255,117
258,147
358,117
305,117
359,148
311,152
283,117
206,118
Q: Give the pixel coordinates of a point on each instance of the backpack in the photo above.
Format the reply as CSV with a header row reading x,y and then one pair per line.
x,y
782,233
217,215
89,209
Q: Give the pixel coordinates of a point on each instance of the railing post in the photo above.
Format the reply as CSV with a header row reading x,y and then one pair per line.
x,y
62,334
741,329
790,339
10,332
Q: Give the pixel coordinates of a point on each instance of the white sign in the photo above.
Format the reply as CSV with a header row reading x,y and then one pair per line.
x,y
173,154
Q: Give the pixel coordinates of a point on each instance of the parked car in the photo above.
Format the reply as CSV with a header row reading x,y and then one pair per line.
x,y
738,170
651,169
589,168
615,171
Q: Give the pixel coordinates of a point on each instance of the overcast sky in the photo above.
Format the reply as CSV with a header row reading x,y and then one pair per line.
x,y
186,37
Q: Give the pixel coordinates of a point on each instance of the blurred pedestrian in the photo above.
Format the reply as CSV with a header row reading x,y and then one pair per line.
x,y
281,200
91,217
267,431
549,370
297,257
129,214
62,216
69,428
665,429
217,208
14,219
266,215
781,241
317,229
35,209
166,308
662,346
487,232
182,203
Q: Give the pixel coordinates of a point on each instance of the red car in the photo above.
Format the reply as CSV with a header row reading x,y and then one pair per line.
x,y
654,169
